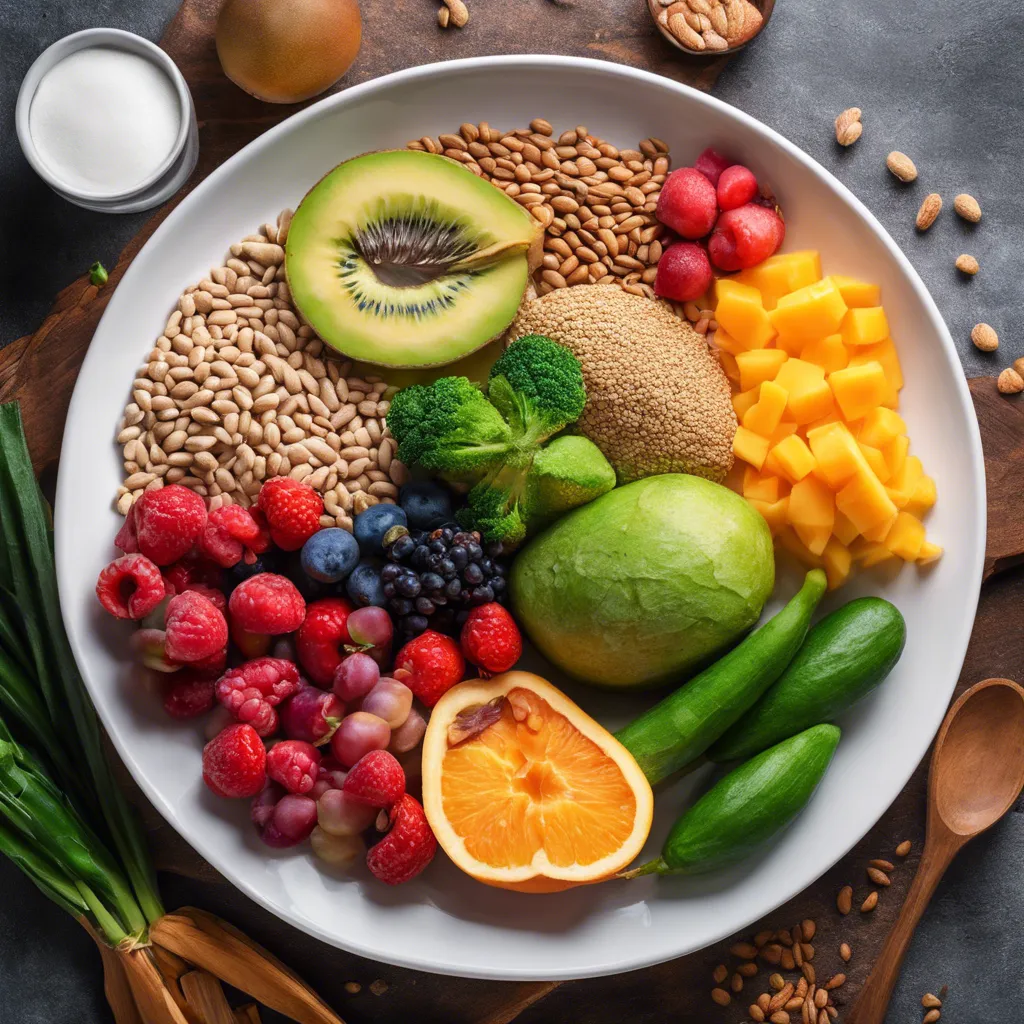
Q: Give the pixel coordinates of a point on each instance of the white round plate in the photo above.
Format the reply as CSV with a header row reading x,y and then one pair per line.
x,y
444,921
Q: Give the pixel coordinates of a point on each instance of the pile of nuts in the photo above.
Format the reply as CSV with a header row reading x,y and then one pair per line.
x,y
708,25
238,389
595,202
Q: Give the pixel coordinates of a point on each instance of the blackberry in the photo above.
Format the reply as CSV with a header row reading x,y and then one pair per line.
x,y
432,578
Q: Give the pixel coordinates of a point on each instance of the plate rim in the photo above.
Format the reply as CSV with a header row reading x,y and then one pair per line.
x,y
64,540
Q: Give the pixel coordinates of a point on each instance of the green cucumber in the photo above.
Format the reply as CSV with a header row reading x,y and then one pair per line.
x,y
845,657
681,727
747,807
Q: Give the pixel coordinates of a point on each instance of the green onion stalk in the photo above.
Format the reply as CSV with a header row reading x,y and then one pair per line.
x,y
63,819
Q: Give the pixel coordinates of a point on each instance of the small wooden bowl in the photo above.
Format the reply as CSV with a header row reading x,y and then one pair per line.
x,y
656,8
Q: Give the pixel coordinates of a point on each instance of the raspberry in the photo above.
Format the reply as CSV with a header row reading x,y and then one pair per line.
x,y
234,762
130,587
189,694
183,574
252,691
430,665
267,603
212,594
232,534
687,203
736,186
490,639
684,273
294,764
195,628
321,637
376,779
127,538
168,522
745,237
213,663
408,847
711,163
292,510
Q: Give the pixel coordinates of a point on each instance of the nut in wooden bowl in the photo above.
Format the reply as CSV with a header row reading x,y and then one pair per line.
x,y
710,28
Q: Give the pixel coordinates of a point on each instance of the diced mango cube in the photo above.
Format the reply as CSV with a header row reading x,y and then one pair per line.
x,y
832,417
843,530
759,365
796,375
791,346
774,512
885,354
790,458
789,541
761,486
865,502
895,452
811,503
809,313
880,532
902,485
864,326
906,537
763,417
814,538
781,432
837,561
858,389
750,447
929,553
876,460
814,404
744,400
727,343
923,497
739,310
837,454
856,293
880,426
869,553
829,353
803,381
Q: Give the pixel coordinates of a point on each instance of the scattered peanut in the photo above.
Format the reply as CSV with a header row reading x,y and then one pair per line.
x,y
985,338
931,1016
1018,365
904,848
967,207
844,901
930,207
901,165
848,126
459,12
845,952
871,900
1010,382
930,1001
879,877
967,264
720,996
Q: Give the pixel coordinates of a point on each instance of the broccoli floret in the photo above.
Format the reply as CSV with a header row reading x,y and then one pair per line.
x,y
449,427
537,385
493,508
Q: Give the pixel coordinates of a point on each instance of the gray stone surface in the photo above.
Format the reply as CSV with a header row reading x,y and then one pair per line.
x,y
940,80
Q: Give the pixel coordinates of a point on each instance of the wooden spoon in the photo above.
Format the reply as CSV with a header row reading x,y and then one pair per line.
x,y
976,775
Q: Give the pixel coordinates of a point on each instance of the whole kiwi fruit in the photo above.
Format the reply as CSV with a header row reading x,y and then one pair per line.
x,y
286,51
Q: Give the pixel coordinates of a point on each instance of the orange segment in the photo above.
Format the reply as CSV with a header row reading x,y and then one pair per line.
x,y
541,797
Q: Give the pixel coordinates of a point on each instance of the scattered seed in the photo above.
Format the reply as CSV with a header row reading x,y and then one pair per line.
x,y
777,982
720,996
1010,382
901,165
443,18
930,207
747,970
807,929
719,974
882,865
871,901
931,1016
930,1001
985,338
845,952
820,998
967,264
353,988
743,950
736,983
781,997
844,901
879,877
779,1017
755,1012
836,981
904,848
848,126
378,987
459,12
1018,365
967,207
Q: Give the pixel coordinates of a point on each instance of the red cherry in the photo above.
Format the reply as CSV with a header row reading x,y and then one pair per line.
x,y
684,272
711,163
736,186
687,203
745,237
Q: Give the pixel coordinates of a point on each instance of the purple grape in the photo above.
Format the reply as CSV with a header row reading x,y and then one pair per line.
x,y
408,734
340,815
358,734
355,677
370,625
261,810
294,818
390,700
311,715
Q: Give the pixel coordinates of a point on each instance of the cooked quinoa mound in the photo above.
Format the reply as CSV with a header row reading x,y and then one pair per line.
x,y
657,399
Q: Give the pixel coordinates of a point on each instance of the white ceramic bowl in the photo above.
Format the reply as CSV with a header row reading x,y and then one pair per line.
x,y
166,178
444,921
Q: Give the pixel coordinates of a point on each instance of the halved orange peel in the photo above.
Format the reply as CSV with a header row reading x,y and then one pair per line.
x,y
525,791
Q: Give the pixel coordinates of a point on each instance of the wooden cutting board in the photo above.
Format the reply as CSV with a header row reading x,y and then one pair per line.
x,y
39,370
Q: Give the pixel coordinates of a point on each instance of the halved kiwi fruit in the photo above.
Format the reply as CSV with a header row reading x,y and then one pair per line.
x,y
403,258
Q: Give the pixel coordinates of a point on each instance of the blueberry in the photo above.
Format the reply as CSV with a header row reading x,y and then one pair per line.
x,y
459,556
473,574
427,504
453,588
371,525
390,572
431,581
363,585
424,606
241,571
408,585
420,557
329,555
475,551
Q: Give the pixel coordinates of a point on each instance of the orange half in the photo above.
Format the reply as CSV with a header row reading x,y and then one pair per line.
x,y
526,791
